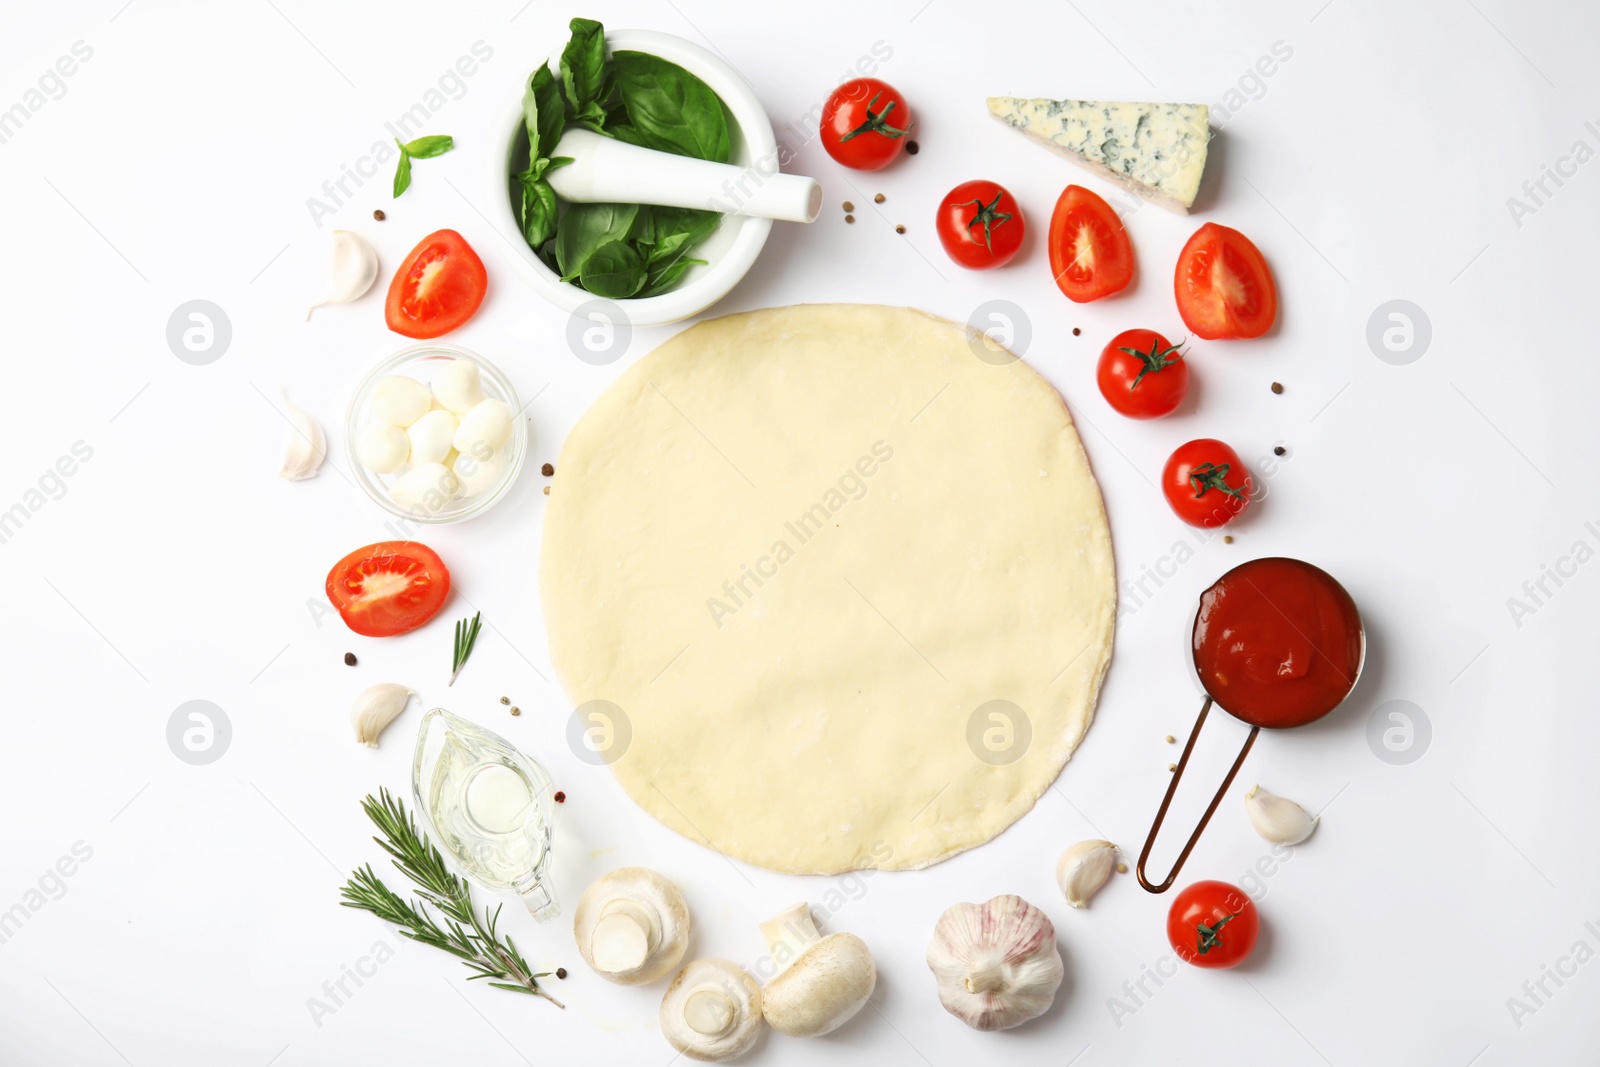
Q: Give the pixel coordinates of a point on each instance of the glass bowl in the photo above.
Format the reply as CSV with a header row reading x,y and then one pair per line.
x,y
421,362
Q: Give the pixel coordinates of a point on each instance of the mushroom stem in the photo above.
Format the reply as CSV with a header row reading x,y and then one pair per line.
x,y
789,933
984,980
709,1011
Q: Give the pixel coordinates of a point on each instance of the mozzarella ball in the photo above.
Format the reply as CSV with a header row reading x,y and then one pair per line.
x,y
382,448
399,400
477,475
430,437
425,489
487,424
457,387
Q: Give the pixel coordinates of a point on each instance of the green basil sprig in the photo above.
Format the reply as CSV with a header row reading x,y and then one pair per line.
x,y
421,148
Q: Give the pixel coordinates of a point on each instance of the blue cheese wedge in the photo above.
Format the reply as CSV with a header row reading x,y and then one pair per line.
x,y
1157,151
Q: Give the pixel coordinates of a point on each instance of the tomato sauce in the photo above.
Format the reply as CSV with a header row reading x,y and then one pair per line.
x,y
1277,642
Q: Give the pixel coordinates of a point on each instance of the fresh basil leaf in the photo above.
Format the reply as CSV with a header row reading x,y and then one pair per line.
x,y
625,133
583,67
538,212
693,221
613,271
664,278
585,228
428,147
542,113
402,172
671,109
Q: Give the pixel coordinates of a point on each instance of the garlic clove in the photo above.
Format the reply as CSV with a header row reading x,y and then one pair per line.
x,y
355,268
458,386
425,490
996,964
430,437
375,708
399,400
382,448
307,448
1084,868
1278,819
487,425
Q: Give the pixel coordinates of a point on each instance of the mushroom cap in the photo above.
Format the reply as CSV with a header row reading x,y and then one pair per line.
x,y
712,1011
821,990
632,926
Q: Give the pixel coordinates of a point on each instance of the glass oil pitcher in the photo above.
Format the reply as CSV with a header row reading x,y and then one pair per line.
x,y
490,807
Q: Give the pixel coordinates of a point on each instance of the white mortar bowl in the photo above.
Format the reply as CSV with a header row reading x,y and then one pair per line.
x,y
731,249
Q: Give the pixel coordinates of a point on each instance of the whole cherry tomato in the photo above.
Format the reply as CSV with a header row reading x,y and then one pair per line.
x,y
1206,483
1213,924
1142,375
980,225
864,124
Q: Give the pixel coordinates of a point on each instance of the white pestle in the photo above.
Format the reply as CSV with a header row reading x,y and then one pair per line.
x,y
605,170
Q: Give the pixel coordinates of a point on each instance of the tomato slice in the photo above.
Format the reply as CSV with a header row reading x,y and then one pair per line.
x,y
1090,254
437,288
1224,286
389,588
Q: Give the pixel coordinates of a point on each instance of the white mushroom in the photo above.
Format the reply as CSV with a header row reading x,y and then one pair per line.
x,y
823,981
712,1011
632,926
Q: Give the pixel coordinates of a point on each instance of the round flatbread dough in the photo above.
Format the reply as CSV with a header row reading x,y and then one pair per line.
x,y
845,572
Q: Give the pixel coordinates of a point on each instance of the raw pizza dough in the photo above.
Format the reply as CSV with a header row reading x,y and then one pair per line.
x,y
803,549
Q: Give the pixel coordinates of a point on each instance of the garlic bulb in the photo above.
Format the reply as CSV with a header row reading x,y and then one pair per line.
x,y
355,268
996,964
1084,868
632,926
822,981
1278,819
375,708
303,456
712,1011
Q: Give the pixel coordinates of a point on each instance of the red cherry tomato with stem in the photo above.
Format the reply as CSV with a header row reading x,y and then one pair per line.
x,y
1090,254
437,288
388,588
980,225
864,124
1224,286
1142,375
1213,924
1206,483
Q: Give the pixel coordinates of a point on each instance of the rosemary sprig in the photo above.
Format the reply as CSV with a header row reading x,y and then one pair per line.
x,y
466,637
463,934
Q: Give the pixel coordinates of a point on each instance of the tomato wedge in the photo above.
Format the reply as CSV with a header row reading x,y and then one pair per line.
x,y
1224,286
437,288
389,588
1090,254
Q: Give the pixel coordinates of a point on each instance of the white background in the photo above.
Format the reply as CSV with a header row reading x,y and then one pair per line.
x,y
1374,164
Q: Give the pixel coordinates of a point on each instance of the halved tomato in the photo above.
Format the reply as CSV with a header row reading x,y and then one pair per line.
x,y
437,288
1090,254
389,588
1224,286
